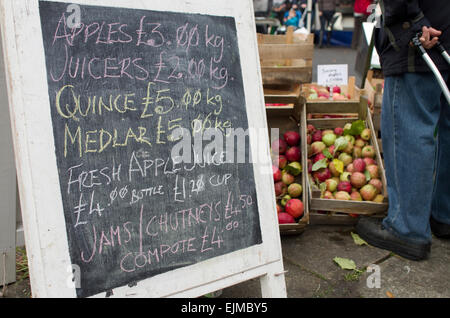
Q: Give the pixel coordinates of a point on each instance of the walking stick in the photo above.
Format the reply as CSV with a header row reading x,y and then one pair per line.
x,y
431,65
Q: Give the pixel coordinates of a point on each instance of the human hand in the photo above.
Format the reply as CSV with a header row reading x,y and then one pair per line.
x,y
320,13
429,37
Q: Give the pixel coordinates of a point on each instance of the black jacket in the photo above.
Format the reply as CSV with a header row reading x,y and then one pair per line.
x,y
401,20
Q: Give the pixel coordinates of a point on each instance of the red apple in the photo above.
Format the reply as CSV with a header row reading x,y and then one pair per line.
x,y
319,156
282,161
285,218
293,154
317,147
365,134
287,178
338,131
377,184
373,171
358,179
292,138
369,161
350,168
322,174
342,195
279,146
368,192
295,190
331,149
279,208
359,165
357,152
280,189
331,185
345,186
336,89
311,129
360,143
368,152
295,208
355,196
276,173
317,136
328,195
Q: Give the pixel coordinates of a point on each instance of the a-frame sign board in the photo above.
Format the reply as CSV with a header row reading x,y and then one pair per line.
x,y
109,99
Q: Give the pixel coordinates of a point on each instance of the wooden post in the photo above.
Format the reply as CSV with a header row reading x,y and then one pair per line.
x,y
7,189
289,40
351,86
273,284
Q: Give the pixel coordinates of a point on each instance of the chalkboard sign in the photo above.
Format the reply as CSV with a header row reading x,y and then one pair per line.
x,y
146,111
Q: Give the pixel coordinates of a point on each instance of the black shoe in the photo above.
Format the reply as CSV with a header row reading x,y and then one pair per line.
x,y
439,229
373,232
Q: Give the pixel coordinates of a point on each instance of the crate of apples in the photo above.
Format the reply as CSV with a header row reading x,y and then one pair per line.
x,y
327,93
342,166
287,176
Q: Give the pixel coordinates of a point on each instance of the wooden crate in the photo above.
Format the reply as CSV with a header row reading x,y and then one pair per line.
x,y
321,108
373,89
286,59
333,206
287,118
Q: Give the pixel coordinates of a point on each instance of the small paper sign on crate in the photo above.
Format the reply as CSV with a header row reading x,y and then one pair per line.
x,y
333,74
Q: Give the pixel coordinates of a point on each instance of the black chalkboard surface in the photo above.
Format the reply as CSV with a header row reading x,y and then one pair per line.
x,y
122,82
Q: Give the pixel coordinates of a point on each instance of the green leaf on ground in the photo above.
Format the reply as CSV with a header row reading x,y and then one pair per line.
x,y
345,263
358,240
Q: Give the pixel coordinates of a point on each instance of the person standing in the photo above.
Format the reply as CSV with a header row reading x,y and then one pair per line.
x,y
327,9
361,12
293,16
280,7
415,129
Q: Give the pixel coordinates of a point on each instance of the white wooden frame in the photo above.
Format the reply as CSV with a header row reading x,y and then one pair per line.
x,y
7,191
41,202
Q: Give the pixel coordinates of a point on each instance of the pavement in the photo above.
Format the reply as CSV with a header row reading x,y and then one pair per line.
x,y
312,272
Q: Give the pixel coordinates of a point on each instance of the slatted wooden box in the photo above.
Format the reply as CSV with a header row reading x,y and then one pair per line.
x,y
286,59
330,206
286,118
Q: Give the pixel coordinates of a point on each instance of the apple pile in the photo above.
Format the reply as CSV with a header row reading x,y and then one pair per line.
x,y
286,156
341,162
327,93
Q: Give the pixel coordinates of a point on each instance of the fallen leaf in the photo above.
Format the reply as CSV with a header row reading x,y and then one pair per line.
x,y
358,240
345,263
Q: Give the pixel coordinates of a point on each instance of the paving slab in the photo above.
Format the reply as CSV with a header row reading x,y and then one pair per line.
x,y
300,283
316,248
402,278
311,271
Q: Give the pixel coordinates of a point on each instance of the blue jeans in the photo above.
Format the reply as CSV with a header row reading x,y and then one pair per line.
x,y
417,163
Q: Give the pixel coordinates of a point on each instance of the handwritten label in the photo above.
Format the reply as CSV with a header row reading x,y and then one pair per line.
x,y
335,74
120,83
